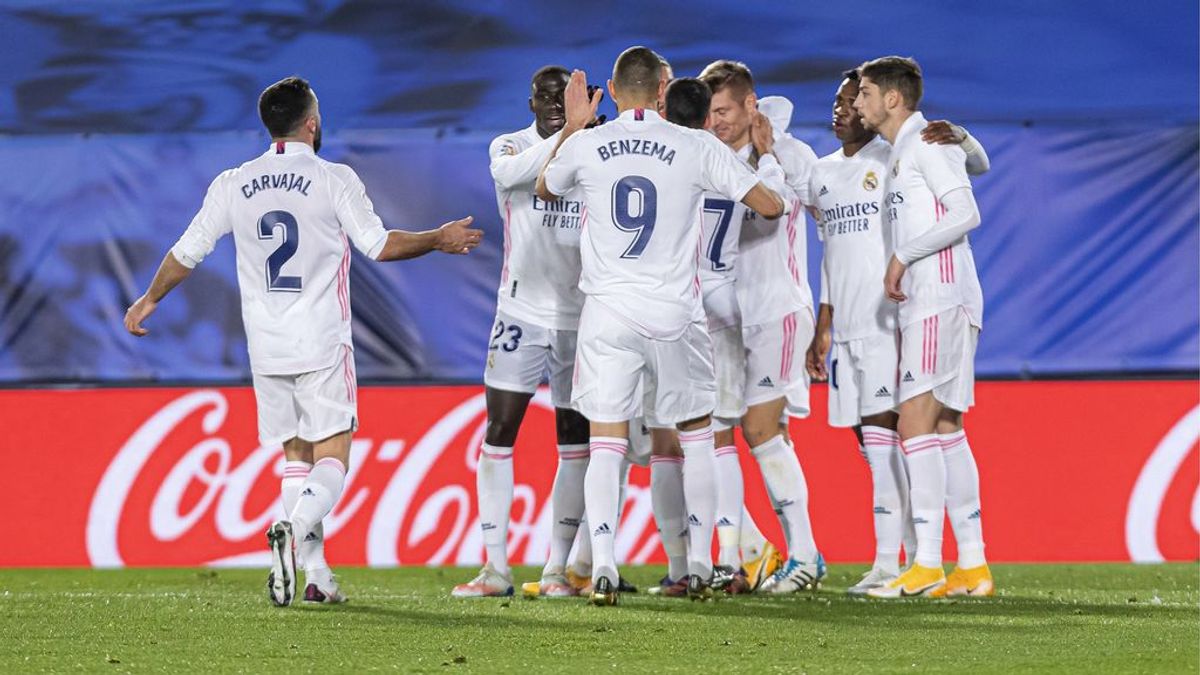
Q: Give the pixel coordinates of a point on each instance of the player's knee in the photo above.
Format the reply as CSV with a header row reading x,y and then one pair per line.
x,y
758,433
502,431
571,427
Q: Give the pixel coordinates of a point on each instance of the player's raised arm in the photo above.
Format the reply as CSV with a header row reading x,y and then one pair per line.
x,y
453,237
581,105
511,167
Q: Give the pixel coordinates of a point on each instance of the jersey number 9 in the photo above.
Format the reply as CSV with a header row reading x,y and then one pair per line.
x,y
635,192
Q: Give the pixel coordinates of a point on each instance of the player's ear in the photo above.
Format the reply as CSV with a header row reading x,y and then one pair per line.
x,y
612,90
751,102
530,104
708,121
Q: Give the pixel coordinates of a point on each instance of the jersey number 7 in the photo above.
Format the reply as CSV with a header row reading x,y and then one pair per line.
x,y
287,249
635,192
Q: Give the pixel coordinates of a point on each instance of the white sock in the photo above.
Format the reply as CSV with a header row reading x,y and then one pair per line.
x,y
311,551
494,487
700,497
666,501
785,481
566,504
625,467
730,495
962,498
582,562
318,495
882,448
602,489
927,491
751,539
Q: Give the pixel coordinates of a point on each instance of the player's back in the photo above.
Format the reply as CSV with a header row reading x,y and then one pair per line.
x,y
643,181
287,209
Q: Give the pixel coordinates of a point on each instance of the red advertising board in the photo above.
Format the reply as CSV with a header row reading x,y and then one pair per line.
x,y
1071,471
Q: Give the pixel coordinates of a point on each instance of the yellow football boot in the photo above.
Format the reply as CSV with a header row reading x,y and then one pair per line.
x,y
761,568
918,580
975,582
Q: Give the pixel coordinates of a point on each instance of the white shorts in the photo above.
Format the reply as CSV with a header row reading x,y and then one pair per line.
x,y
729,366
520,353
613,357
312,406
863,379
937,354
775,361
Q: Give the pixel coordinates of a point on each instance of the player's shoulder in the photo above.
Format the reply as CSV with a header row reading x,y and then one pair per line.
x,y
337,172
793,152
924,152
512,141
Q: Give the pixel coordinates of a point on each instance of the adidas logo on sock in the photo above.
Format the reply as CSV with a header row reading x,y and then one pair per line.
x,y
603,529
311,536
883,393
308,492
486,526
824,191
693,520
784,503
569,522
974,516
920,521
724,522
766,382
908,377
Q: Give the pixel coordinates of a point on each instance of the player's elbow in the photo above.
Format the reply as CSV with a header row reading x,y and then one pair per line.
x,y
544,192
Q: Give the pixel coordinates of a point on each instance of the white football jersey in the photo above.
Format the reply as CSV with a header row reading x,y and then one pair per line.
x,y
643,181
721,230
539,281
919,175
290,213
848,193
773,262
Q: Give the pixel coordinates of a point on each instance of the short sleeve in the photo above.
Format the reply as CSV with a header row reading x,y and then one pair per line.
x,y
356,214
207,227
723,172
943,167
562,171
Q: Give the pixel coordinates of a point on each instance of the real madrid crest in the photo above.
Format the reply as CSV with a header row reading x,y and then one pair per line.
x,y
870,181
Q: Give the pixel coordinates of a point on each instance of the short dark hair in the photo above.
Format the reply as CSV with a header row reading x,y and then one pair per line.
x,y
284,105
638,69
726,74
853,75
547,71
688,100
896,73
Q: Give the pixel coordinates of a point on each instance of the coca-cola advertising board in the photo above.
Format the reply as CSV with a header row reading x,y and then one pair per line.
x,y
1070,471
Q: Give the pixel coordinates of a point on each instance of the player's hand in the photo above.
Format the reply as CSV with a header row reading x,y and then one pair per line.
x,y
891,280
814,359
761,134
138,312
456,238
580,105
941,132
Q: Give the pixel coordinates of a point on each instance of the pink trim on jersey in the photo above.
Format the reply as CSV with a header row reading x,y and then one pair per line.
x,y
791,235
583,220
789,346
347,375
946,255
507,241
699,257
343,279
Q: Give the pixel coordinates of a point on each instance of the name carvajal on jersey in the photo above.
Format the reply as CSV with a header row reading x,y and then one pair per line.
x,y
847,218
565,214
288,182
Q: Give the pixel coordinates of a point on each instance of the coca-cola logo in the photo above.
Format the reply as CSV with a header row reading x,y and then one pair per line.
x,y
1161,472
179,492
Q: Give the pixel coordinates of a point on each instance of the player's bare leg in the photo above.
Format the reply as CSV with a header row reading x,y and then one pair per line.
x,y
970,575
788,490
494,491
602,487
922,451
566,505
670,513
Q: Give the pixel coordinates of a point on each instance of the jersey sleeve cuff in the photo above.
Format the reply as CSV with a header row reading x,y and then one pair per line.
x,y
184,259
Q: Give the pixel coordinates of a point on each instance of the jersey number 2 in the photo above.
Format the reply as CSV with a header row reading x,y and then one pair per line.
x,y
641,220
287,249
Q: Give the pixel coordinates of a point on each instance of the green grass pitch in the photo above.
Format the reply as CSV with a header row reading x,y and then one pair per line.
x,y
1081,618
